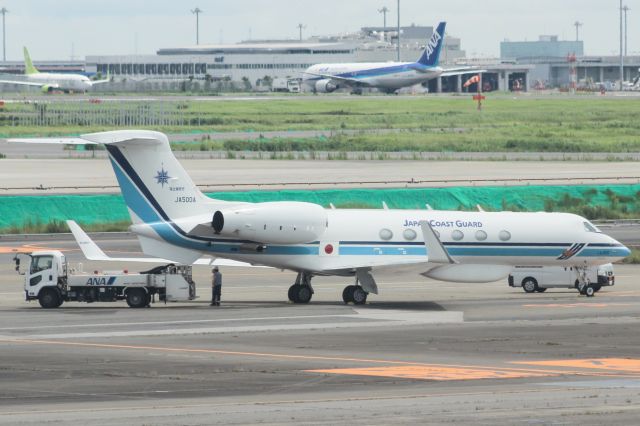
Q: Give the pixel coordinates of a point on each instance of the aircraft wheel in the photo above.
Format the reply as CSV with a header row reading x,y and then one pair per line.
x,y
359,296
347,294
302,294
530,285
50,298
137,298
292,292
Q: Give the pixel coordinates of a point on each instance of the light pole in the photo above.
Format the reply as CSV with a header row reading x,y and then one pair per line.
x,y
4,34
626,28
577,24
301,27
621,51
384,12
399,30
197,11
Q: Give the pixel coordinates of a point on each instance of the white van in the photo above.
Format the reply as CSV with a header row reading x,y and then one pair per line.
x,y
539,278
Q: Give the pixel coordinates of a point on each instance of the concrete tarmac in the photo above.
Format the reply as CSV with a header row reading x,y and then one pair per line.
x,y
25,176
420,352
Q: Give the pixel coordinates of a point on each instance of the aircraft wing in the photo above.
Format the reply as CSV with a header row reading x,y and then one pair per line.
x,y
53,141
26,83
461,70
346,80
92,252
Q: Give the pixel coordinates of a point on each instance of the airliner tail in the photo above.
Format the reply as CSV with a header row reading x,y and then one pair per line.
x,y
431,55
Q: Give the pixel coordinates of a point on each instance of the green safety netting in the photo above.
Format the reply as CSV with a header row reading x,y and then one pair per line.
x,y
91,209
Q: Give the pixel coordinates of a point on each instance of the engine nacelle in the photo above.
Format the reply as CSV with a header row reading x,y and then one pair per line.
x,y
469,273
272,223
325,86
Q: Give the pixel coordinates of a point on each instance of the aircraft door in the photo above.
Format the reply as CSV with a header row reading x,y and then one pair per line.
x,y
42,273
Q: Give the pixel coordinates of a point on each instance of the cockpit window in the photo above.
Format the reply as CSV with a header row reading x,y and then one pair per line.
x,y
590,227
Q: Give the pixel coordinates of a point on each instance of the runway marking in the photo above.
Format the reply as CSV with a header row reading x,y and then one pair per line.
x,y
419,370
575,305
25,248
628,365
435,372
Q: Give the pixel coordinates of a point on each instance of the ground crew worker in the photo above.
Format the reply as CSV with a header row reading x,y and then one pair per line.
x,y
216,287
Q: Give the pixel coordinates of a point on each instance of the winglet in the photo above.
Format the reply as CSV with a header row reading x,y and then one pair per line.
x,y
90,249
28,65
436,253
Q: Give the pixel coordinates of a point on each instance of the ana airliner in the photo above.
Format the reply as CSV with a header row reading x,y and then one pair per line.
x,y
48,81
386,76
173,220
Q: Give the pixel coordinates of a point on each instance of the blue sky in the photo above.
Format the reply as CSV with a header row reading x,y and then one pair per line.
x,y
50,27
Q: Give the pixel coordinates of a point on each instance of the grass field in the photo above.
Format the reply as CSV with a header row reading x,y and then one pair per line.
x,y
506,124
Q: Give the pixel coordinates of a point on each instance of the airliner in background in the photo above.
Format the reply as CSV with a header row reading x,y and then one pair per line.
x,y
175,221
385,76
49,81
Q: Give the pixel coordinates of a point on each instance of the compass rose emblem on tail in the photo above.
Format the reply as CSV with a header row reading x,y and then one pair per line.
x,y
162,177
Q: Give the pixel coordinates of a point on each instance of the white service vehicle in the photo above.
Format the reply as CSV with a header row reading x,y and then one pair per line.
x,y
51,281
539,278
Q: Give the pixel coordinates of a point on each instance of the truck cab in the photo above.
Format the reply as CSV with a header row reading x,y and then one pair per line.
x,y
45,276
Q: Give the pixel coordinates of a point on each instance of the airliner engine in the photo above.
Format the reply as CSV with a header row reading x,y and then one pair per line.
x,y
325,86
272,223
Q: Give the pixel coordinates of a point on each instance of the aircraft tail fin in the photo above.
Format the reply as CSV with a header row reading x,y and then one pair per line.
x,y
431,55
155,186
28,65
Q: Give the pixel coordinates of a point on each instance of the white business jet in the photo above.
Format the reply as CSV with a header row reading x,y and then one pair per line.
x,y
48,81
386,76
174,221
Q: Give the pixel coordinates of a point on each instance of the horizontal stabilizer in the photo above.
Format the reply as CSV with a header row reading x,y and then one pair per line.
x,y
92,252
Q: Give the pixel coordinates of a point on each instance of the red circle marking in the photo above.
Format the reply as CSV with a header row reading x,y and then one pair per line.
x,y
328,249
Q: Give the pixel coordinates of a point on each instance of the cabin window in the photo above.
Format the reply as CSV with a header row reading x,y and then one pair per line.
x,y
409,234
590,227
457,235
386,234
481,235
504,235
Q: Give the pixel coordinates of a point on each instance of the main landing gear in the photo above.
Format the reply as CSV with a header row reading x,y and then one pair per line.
x,y
354,294
301,291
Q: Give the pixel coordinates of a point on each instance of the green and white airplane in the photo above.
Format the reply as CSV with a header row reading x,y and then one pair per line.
x,y
48,81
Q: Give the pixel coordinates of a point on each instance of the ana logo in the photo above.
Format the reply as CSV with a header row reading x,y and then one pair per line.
x,y
433,43
162,177
101,281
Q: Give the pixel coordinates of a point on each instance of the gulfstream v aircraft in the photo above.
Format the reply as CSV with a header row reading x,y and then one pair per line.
x,y
48,81
386,76
175,221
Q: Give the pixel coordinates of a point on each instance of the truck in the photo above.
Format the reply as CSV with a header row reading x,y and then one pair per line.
x,y
534,279
281,84
51,281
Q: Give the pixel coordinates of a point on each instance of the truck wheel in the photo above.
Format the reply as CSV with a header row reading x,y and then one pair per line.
x,y
137,298
530,285
50,298
589,291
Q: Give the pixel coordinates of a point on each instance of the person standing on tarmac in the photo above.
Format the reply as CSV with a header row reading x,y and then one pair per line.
x,y
216,287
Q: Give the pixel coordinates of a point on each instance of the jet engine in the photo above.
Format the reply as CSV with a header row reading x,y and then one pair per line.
x,y
272,223
469,273
325,86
